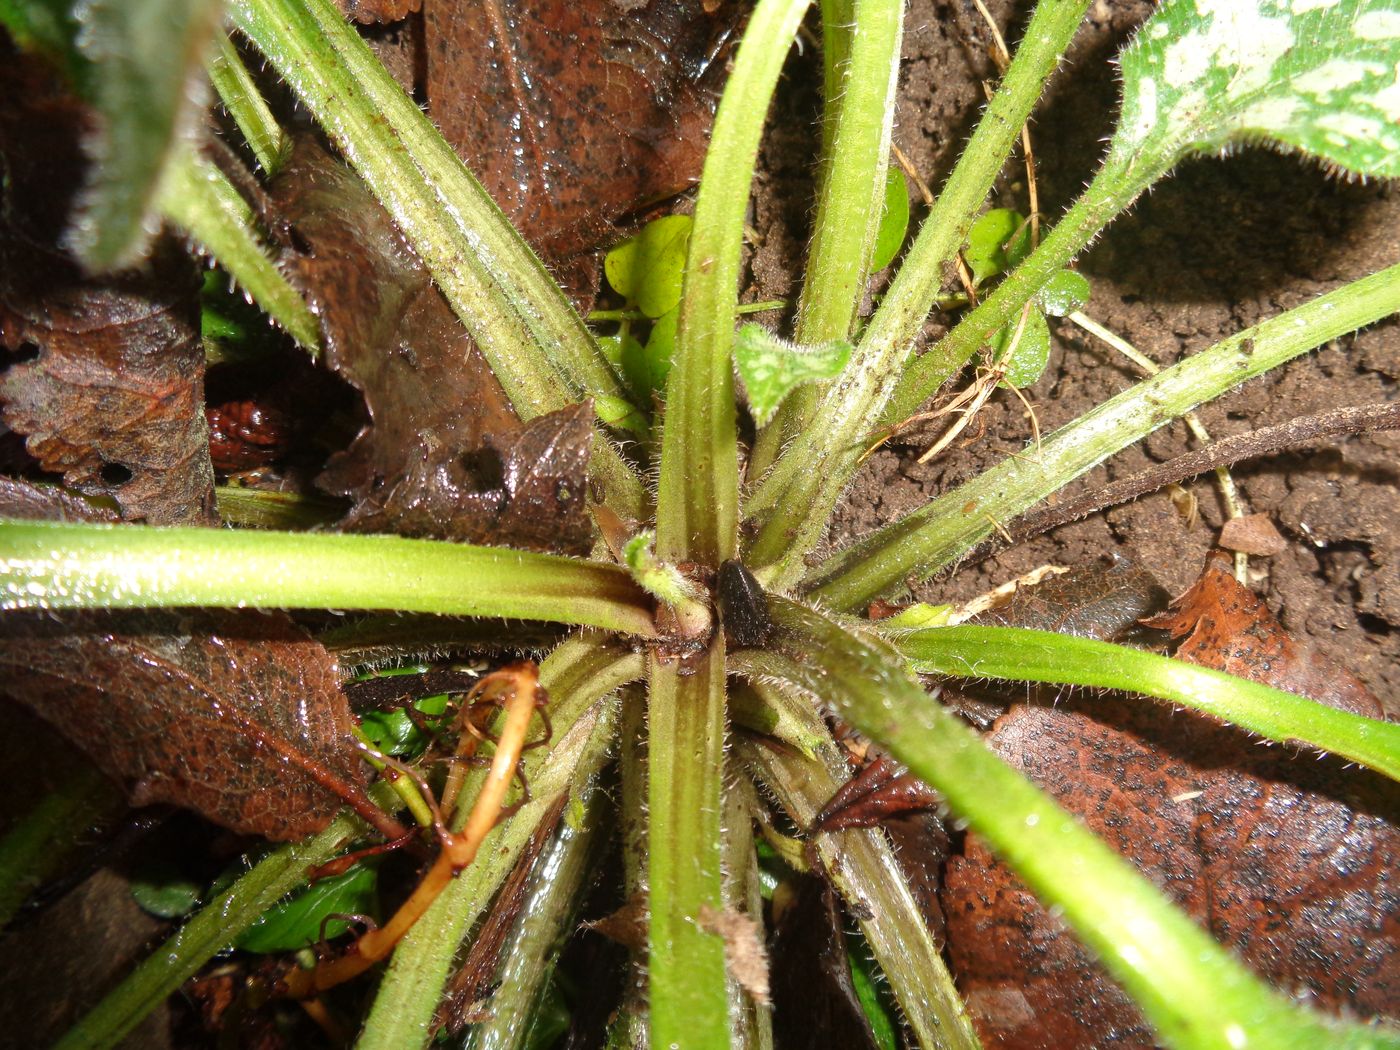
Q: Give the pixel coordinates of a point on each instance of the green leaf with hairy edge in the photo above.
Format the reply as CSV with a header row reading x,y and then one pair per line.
x,y
1026,358
648,269
297,923
1064,293
872,1003
771,367
894,221
148,85
1318,76
997,241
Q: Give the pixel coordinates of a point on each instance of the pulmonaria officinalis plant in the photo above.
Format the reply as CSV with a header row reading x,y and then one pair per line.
x,y
706,635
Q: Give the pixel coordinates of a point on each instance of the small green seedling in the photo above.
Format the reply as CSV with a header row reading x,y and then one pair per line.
x,y
996,244
771,368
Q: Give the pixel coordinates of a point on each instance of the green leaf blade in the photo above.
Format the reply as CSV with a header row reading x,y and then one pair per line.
x,y
1319,77
148,86
771,367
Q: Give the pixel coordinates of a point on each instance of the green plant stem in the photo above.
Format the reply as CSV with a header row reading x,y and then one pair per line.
x,y
929,539
536,344
212,929
260,508
36,845
1021,655
1192,990
577,675
861,49
795,500
685,761
865,871
697,512
750,1021
198,197
1118,183
47,565
245,104
546,919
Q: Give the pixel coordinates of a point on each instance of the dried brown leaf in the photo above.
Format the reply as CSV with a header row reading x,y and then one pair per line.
x,y
1228,628
815,1005
575,112
444,455
1289,861
238,715
109,388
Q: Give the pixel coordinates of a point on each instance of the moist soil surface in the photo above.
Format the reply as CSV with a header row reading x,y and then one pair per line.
x,y
1221,245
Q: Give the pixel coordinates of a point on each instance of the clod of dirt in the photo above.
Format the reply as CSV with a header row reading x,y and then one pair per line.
x,y
238,715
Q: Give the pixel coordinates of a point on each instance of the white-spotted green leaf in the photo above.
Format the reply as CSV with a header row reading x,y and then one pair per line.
x,y
770,367
147,83
1321,76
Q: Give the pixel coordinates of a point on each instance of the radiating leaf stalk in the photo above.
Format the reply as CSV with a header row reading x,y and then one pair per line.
x,y
697,514
536,344
866,873
147,84
1194,992
245,104
576,675
199,198
687,998
795,500
1019,654
212,929
936,535
559,878
859,114
48,565
697,519
1320,78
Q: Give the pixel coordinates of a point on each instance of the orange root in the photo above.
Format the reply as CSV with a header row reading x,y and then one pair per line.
x,y
516,688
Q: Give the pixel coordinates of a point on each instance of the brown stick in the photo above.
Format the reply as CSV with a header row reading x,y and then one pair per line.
x,y
1359,419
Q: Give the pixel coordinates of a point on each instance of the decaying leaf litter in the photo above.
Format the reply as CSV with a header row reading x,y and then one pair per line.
x,y
1004,420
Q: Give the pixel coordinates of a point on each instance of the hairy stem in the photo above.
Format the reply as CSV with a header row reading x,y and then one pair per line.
x,y
937,535
48,565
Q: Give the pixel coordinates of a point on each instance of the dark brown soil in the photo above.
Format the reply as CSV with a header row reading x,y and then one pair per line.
x,y
1218,247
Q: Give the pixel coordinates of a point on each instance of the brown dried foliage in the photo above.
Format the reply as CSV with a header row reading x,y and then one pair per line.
x,y
238,715
109,387
575,113
1287,860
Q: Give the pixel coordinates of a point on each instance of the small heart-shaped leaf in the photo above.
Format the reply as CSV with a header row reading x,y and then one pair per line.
x,y
771,367
1063,294
648,269
1026,359
997,241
